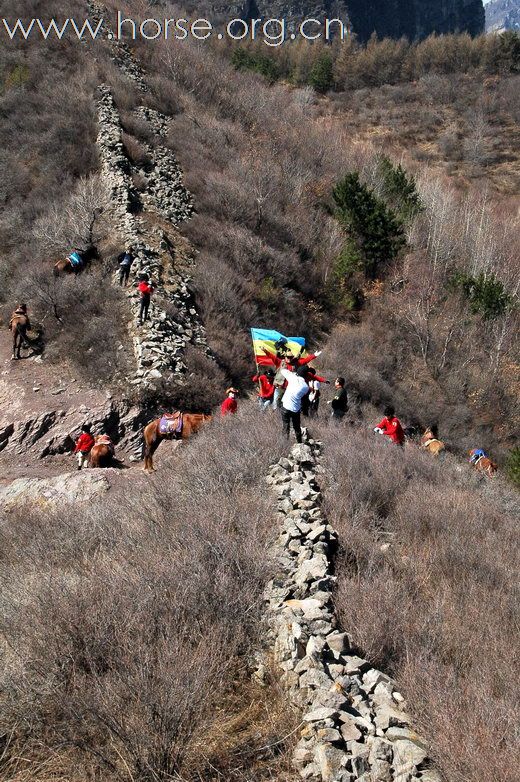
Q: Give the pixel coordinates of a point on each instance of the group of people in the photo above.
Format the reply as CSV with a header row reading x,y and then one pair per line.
x,y
290,385
301,396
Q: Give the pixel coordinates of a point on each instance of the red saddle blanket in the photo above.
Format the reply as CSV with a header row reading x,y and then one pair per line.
x,y
171,423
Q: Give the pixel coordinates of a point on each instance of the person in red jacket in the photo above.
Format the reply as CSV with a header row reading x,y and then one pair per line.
x,y
84,445
145,289
391,426
266,392
230,404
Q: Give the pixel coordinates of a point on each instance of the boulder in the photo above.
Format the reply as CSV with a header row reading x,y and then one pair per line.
x,y
408,755
330,761
302,454
49,492
381,771
350,731
323,713
312,569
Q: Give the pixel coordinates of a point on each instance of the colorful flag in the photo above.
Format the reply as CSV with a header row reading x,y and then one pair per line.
x,y
267,341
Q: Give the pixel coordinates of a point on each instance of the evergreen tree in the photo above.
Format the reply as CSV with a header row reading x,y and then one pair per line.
x,y
321,75
376,229
513,466
487,296
398,189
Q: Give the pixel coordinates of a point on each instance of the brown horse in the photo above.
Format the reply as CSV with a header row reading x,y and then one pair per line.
x,y
102,452
65,266
483,463
19,325
191,423
431,444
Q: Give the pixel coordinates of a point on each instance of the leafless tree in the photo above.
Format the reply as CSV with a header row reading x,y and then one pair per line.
x,y
75,221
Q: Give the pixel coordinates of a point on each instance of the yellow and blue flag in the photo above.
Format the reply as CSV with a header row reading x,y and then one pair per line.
x,y
266,342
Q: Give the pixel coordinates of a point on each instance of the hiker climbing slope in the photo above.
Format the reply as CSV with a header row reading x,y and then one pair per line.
x,y
266,388
145,289
125,261
391,427
292,400
229,405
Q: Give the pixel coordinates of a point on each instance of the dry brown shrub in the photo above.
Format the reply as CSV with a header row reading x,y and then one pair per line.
x,y
437,608
129,628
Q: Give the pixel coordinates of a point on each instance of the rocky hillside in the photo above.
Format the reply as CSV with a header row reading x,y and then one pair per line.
x,y
502,15
414,19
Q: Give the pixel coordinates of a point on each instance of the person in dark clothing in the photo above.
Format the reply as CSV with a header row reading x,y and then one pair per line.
x,y
339,403
125,260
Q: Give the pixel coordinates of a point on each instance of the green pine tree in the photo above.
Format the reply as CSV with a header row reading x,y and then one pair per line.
x,y
321,76
399,189
513,466
376,229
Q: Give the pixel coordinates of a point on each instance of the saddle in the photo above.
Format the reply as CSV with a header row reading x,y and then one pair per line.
x,y
104,439
171,423
75,259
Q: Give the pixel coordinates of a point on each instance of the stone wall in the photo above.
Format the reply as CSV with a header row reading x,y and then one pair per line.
x,y
355,721
142,219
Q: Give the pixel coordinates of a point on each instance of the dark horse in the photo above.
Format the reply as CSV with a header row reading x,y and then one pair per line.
x,y
191,423
66,266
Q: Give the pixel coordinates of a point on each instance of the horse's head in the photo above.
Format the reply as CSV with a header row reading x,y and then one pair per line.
x,y
90,254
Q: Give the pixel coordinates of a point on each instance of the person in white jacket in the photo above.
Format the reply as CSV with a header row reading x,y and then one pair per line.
x,y
292,400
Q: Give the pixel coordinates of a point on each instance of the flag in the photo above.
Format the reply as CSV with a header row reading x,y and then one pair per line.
x,y
264,345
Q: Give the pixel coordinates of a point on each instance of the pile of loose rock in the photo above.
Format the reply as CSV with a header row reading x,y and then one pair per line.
x,y
119,51
355,721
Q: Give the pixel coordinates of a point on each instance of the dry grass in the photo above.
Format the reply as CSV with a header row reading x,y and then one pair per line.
x,y
438,607
128,628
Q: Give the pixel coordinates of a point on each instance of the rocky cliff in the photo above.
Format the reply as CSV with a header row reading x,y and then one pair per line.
x,y
415,18
503,15
388,18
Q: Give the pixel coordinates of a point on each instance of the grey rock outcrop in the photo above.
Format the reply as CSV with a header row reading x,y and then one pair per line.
x,y
388,18
53,432
48,493
503,15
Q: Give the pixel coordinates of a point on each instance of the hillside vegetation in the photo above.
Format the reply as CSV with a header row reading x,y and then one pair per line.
x,y
427,586
129,629
262,163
